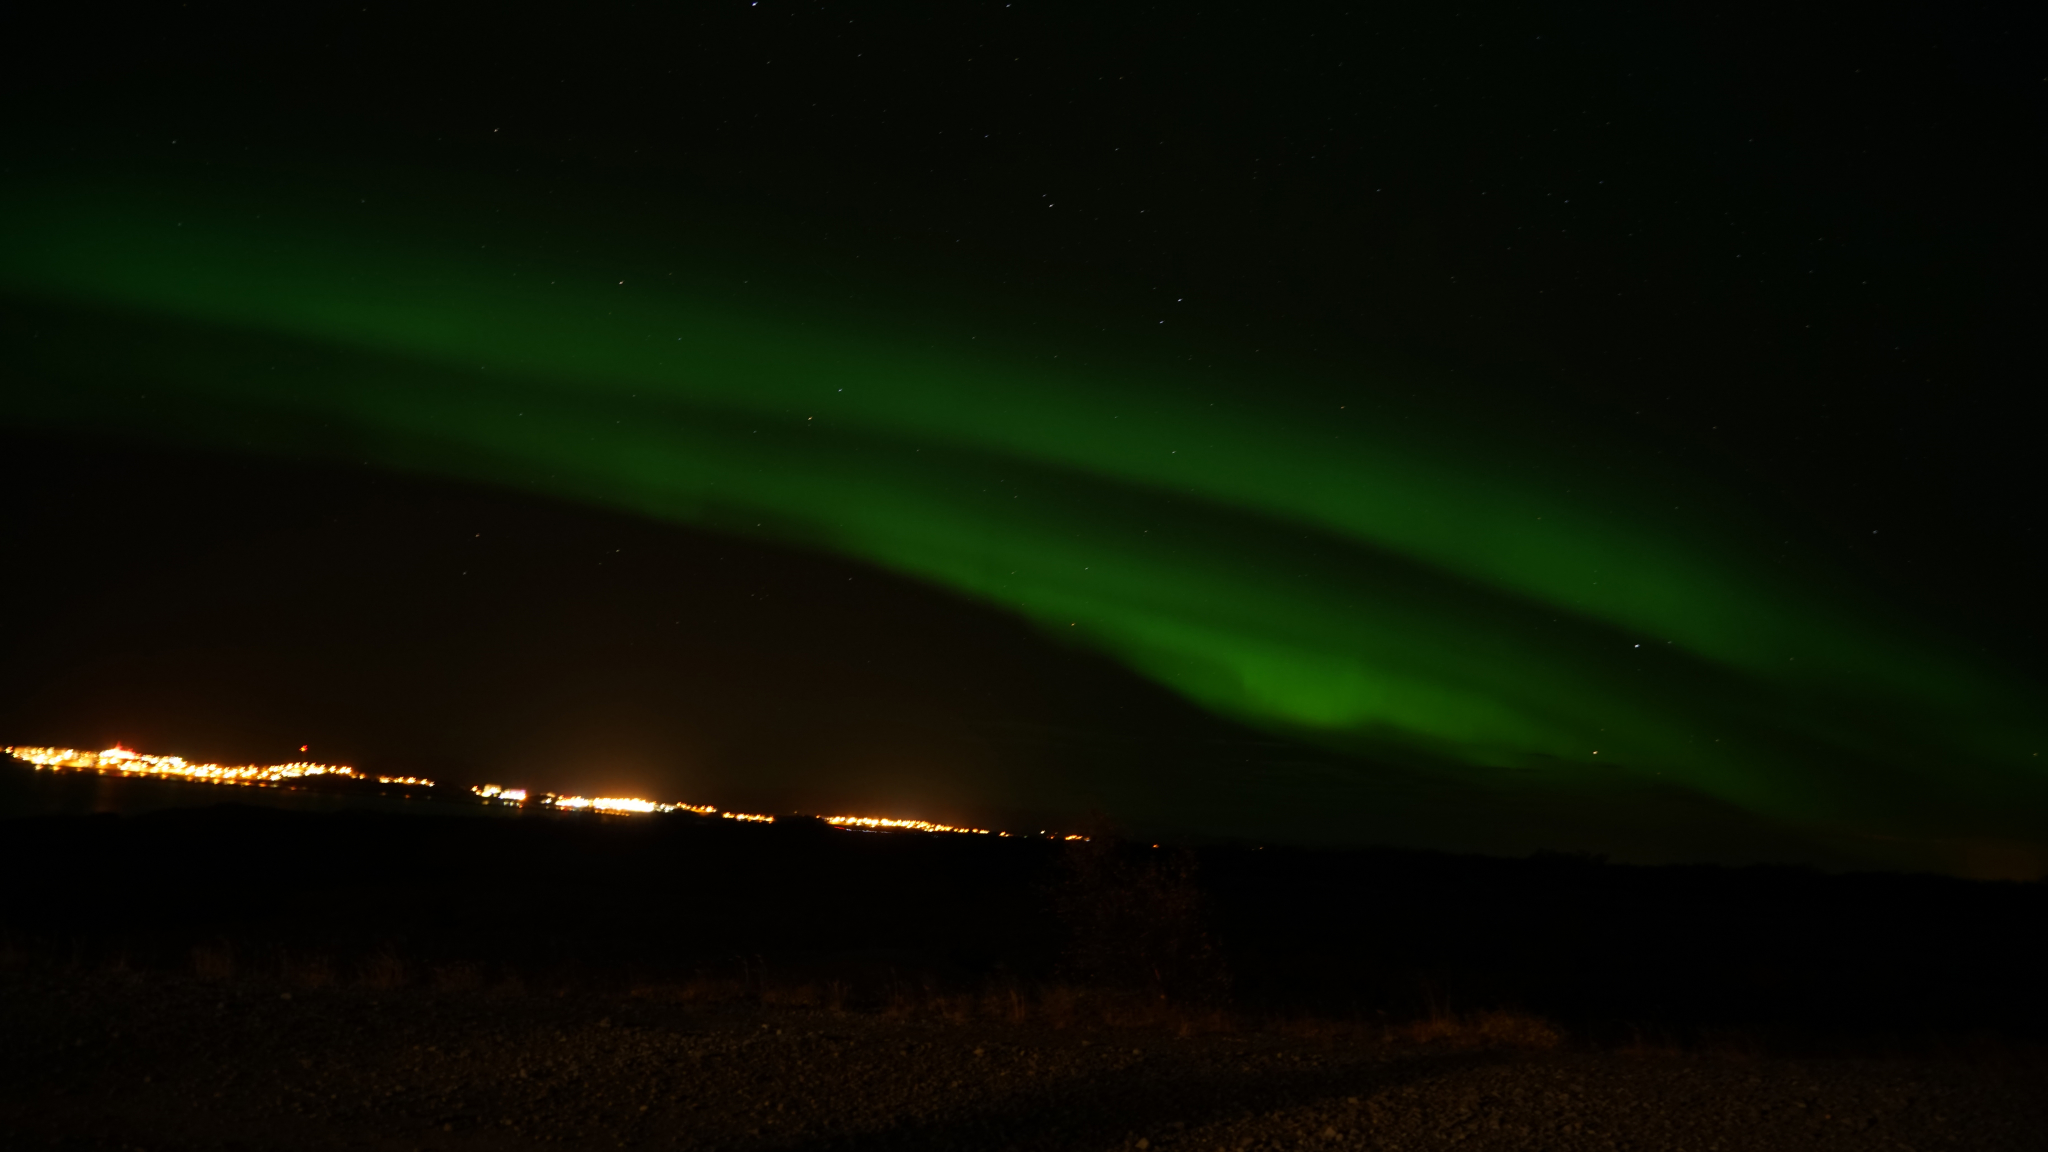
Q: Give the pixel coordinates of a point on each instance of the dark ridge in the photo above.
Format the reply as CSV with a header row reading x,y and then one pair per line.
x,y
1863,962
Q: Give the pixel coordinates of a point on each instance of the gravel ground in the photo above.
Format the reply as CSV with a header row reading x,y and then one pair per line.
x,y
123,1061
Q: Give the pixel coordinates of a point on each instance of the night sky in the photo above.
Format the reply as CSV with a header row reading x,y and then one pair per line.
x,y
1512,429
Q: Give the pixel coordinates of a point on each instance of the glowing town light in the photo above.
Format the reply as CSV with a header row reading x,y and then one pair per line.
x,y
910,825
127,762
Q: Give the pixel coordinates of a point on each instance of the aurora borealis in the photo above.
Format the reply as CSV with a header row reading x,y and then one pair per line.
x,y
1319,552
1472,605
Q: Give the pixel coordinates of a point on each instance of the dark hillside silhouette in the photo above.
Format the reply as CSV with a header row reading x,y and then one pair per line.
x,y
1607,952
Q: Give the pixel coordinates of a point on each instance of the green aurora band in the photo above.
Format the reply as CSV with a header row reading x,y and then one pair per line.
x,y
1408,587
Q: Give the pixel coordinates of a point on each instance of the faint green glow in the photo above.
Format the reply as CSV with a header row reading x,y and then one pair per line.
x,y
1376,579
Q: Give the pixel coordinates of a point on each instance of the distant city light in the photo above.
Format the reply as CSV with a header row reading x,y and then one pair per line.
x,y
124,762
884,822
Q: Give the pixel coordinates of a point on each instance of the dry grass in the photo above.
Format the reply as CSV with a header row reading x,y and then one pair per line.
x,y
1008,1001
1003,1000
804,995
1482,1030
696,990
213,961
315,970
385,970
460,976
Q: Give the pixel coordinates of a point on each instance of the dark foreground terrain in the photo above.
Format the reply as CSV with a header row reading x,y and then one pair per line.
x,y
121,1061
246,978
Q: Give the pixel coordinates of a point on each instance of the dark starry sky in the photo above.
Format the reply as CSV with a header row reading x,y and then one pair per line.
x,y
1798,254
